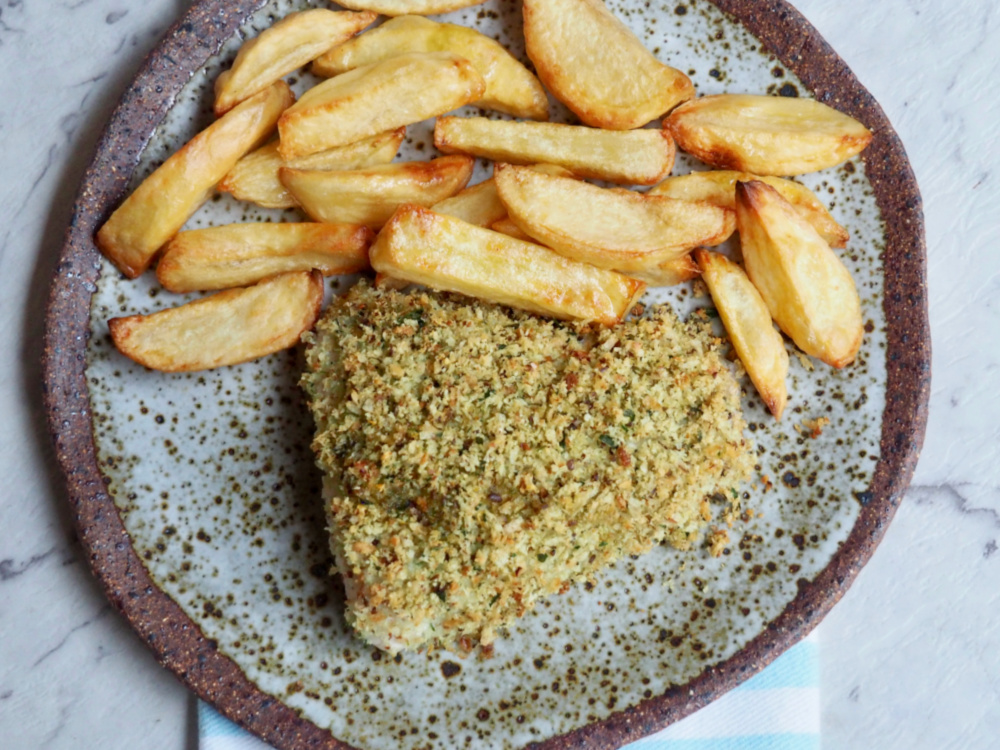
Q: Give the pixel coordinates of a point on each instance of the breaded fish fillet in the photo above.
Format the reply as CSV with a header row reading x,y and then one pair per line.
x,y
477,458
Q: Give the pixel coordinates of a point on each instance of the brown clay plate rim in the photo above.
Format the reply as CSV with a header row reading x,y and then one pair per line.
x,y
176,640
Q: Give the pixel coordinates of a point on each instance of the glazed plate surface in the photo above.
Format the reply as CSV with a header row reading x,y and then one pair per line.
x,y
198,499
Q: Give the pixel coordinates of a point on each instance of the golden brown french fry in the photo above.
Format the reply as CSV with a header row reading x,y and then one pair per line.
x,y
404,7
507,226
255,176
242,254
442,252
480,205
719,189
594,65
748,323
295,40
637,157
610,228
554,170
477,204
510,87
669,273
225,328
807,288
375,98
370,196
158,208
766,135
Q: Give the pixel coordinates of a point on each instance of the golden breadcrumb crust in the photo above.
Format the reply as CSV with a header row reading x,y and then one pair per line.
x,y
479,458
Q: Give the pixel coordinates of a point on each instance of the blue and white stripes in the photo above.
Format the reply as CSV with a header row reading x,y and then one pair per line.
x,y
777,709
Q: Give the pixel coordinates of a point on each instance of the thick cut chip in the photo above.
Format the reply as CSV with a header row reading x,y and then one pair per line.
x,y
510,87
459,454
225,328
594,65
480,204
255,176
158,208
507,226
243,254
748,323
719,188
375,98
404,7
669,273
422,247
638,157
611,228
807,288
292,42
766,135
370,196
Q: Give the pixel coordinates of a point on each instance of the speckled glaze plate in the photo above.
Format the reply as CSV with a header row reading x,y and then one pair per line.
x,y
197,500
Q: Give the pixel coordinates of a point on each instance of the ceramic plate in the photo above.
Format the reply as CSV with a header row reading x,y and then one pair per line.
x,y
198,502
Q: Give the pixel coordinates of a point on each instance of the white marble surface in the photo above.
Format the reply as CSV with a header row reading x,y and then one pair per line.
x,y
911,656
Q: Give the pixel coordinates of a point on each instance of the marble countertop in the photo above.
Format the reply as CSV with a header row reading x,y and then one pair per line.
x,y
911,655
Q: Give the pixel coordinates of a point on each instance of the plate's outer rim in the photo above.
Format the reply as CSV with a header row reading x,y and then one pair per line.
x,y
178,642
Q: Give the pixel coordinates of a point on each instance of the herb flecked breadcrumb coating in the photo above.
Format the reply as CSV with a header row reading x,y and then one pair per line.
x,y
477,458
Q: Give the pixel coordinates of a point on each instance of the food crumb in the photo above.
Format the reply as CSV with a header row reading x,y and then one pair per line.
x,y
706,510
805,361
717,541
815,426
740,370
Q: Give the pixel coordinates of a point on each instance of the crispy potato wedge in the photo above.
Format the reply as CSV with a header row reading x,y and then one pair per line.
x,y
422,247
639,157
405,7
610,228
747,321
594,65
507,226
766,135
477,204
719,189
243,254
480,205
510,87
375,98
295,40
555,170
255,176
158,208
370,196
669,273
225,328
807,288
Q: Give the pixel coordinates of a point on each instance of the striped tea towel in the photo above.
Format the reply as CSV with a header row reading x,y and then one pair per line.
x,y
777,709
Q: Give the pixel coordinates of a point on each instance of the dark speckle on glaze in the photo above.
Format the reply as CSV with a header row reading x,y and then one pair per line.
x,y
216,491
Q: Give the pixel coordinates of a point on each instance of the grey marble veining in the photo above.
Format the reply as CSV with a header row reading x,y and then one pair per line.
x,y
911,656
72,674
